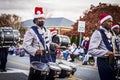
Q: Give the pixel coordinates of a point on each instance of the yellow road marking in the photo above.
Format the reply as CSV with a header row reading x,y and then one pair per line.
x,y
73,78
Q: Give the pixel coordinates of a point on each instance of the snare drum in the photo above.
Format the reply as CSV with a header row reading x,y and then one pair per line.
x,y
72,65
55,70
38,71
66,71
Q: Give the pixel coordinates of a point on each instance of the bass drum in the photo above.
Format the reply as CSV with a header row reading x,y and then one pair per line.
x,y
65,71
55,70
63,40
6,36
38,71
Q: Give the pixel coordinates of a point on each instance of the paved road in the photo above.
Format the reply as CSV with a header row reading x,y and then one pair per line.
x,y
21,64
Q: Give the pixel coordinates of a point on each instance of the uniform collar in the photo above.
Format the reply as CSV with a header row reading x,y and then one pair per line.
x,y
104,29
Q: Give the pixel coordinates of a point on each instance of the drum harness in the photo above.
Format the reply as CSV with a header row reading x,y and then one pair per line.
x,y
42,40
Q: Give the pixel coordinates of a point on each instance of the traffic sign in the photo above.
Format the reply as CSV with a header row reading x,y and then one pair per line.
x,y
81,26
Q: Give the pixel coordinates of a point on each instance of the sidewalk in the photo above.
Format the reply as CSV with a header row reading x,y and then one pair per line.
x,y
13,74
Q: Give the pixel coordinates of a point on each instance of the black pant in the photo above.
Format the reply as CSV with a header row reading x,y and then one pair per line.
x,y
3,58
105,68
73,56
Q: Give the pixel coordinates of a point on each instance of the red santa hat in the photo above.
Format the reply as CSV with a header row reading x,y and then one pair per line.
x,y
104,17
115,26
38,12
53,31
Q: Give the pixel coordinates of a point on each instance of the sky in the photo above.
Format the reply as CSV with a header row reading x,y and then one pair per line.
x,y
70,9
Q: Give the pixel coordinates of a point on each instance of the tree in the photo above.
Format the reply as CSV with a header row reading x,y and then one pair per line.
x,y
91,17
73,39
8,20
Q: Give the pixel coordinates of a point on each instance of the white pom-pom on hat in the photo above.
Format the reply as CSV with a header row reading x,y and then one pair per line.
x,y
38,12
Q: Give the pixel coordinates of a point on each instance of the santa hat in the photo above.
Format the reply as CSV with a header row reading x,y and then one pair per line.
x,y
104,17
115,26
38,12
53,31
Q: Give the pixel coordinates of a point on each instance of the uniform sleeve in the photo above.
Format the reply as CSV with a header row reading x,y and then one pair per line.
x,y
27,42
96,45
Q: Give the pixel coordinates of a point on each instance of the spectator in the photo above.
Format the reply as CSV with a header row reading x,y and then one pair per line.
x,y
66,53
75,53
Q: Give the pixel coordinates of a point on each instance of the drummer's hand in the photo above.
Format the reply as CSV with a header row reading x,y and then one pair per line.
x,y
57,46
110,54
38,52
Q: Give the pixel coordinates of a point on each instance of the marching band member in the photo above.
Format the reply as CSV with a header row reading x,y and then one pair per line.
x,y
37,42
116,29
101,47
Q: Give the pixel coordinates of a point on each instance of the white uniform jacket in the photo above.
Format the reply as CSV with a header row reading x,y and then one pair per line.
x,y
97,46
31,43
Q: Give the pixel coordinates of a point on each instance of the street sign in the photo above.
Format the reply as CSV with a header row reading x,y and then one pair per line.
x,y
81,26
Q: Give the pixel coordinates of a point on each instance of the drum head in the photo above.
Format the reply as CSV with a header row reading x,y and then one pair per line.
x,y
39,66
54,66
69,63
65,67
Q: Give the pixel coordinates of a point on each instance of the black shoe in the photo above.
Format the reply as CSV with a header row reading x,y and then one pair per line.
x,y
3,70
71,60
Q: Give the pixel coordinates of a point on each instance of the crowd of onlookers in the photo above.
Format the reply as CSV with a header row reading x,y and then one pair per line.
x,y
69,53
16,50
73,52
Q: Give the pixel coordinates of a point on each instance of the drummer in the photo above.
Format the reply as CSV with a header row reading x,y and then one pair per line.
x,y
101,47
116,30
37,41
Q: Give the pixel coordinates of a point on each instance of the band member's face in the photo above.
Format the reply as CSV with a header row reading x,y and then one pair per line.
x,y
116,30
40,21
108,24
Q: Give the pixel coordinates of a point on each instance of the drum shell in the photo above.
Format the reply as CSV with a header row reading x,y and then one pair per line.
x,y
55,70
73,66
38,74
63,40
65,72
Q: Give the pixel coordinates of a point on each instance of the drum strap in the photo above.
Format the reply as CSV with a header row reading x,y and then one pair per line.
x,y
117,44
105,40
42,40
38,35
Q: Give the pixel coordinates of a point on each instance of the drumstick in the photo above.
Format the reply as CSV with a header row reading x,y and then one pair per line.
x,y
113,43
116,54
39,47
